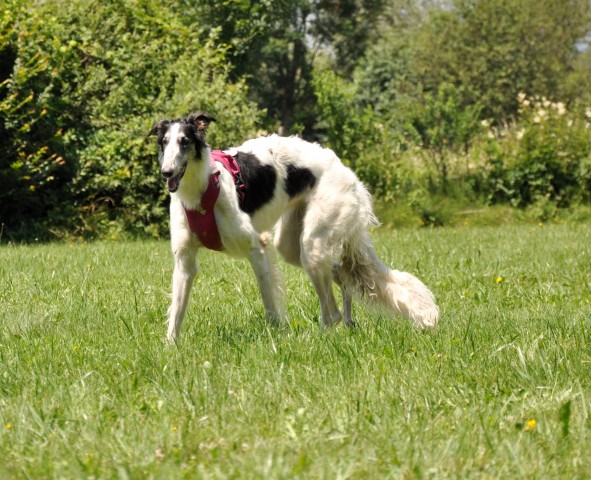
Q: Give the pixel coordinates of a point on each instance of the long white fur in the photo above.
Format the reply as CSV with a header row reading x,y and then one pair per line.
x,y
324,230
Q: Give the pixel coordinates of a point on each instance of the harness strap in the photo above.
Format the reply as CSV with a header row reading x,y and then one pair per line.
x,y
230,164
202,222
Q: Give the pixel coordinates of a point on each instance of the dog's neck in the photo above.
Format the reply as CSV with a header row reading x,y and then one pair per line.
x,y
195,180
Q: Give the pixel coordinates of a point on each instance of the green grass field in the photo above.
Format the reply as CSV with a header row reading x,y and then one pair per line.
x,y
89,388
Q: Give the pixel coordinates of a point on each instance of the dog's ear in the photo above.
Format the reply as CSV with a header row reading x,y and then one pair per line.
x,y
159,128
201,121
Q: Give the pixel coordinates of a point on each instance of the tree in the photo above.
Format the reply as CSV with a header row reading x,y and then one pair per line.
x,y
275,44
495,49
80,89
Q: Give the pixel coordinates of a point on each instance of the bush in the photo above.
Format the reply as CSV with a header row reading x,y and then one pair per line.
x,y
444,128
80,90
543,159
362,138
439,158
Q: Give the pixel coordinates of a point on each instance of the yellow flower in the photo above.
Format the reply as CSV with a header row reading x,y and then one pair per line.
x,y
8,426
499,280
530,425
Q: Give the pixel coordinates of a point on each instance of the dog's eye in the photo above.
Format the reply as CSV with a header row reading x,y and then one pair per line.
x,y
184,141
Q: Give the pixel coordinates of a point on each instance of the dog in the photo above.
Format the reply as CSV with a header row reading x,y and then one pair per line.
x,y
289,194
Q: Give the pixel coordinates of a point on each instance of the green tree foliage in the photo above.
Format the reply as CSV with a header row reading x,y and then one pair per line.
x,y
81,88
441,70
545,160
275,44
443,127
398,87
495,49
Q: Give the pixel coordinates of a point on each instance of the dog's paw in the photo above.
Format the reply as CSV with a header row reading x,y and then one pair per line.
x,y
428,318
171,338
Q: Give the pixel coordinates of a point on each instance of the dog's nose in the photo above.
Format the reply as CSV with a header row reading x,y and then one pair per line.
x,y
167,173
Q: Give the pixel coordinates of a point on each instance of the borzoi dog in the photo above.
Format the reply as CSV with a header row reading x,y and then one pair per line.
x,y
319,211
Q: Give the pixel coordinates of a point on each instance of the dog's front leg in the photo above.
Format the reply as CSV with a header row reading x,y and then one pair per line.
x,y
258,262
185,270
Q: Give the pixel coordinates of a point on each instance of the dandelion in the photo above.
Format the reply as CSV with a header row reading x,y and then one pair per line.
x,y
8,426
499,280
531,425
174,428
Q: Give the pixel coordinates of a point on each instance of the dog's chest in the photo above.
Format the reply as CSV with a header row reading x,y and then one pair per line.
x,y
201,220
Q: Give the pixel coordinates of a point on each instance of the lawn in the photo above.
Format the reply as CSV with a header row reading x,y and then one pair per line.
x,y
89,387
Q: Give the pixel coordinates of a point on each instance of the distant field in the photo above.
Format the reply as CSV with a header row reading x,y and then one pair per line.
x,y
89,388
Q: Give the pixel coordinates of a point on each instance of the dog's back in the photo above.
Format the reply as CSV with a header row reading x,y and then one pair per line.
x,y
294,170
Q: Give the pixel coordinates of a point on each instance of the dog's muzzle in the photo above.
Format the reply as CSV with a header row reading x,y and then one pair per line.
x,y
173,181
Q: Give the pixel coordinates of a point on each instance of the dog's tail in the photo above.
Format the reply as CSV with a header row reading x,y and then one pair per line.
x,y
362,274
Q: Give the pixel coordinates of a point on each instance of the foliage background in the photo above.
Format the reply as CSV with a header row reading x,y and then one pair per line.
x,y
442,108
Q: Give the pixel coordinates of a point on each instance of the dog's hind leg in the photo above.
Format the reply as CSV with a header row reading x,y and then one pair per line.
x,y
347,298
288,233
317,263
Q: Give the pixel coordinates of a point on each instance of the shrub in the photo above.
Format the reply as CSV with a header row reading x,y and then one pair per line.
x,y
545,158
80,90
444,128
363,139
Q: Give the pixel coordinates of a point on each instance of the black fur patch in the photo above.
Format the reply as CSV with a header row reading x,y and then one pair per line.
x,y
259,181
195,136
298,180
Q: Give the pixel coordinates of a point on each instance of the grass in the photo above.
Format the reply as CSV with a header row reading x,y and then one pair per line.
x,y
89,388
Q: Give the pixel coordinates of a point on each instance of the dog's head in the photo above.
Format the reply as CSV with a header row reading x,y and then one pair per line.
x,y
180,141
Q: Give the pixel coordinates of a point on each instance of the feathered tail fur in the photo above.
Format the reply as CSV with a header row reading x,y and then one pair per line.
x,y
362,274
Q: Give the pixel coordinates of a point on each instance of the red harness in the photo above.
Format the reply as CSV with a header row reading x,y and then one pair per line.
x,y
202,222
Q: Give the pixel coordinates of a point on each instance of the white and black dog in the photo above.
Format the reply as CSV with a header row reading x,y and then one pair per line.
x,y
318,210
